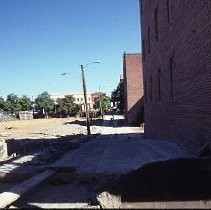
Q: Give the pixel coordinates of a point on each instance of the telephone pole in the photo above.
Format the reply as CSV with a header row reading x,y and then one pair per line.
x,y
85,99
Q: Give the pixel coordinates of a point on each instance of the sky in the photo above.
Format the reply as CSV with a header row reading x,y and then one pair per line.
x,y
41,39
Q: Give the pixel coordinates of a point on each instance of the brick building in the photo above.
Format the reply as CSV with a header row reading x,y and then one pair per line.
x,y
176,45
133,88
96,95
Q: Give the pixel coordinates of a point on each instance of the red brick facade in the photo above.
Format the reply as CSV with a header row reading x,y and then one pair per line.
x,y
176,46
95,96
133,87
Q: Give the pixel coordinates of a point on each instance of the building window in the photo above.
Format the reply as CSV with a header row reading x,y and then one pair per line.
x,y
168,4
151,88
148,36
77,99
159,85
143,50
172,68
156,24
145,91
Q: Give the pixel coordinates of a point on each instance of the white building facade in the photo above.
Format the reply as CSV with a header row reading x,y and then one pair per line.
x,y
79,99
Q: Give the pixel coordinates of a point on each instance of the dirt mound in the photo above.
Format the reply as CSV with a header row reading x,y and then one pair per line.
x,y
172,180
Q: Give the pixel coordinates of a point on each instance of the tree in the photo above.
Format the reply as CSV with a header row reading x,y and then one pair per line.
x,y
66,106
2,103
104,101
12,104
25,103
118,96
44,103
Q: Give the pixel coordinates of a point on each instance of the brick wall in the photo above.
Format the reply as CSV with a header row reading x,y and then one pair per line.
x,y
133,87
177,69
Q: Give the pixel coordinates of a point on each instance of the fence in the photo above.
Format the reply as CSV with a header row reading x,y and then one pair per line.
x,y
4,116
26,115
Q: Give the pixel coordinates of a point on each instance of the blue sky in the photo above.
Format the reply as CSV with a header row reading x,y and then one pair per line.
x,y
40,39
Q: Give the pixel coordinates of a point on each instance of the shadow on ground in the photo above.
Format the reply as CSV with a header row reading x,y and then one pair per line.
x,y
42,152
96,122
29,146
99,122
172,180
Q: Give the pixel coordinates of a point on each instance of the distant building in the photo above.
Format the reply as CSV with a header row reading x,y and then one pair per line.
x,y
55,96
95,96
133,88
176,46
79,99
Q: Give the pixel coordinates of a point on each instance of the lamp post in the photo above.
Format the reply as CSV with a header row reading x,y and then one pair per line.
x,y
85,94
85,99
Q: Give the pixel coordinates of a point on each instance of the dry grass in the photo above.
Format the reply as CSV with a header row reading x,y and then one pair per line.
x,y
19,128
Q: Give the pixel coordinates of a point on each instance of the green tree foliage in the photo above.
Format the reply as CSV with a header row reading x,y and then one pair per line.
x,y
12,104
66,106
2,103
118,96
25,103
104,101
44,103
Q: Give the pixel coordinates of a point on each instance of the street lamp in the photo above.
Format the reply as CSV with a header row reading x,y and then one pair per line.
x,y
85,93
85,96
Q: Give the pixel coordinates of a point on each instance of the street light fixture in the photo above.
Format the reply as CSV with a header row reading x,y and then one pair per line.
x,y
98,61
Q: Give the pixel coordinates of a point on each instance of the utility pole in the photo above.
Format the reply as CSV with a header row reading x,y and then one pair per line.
x,y
85,99
85,94
101,110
